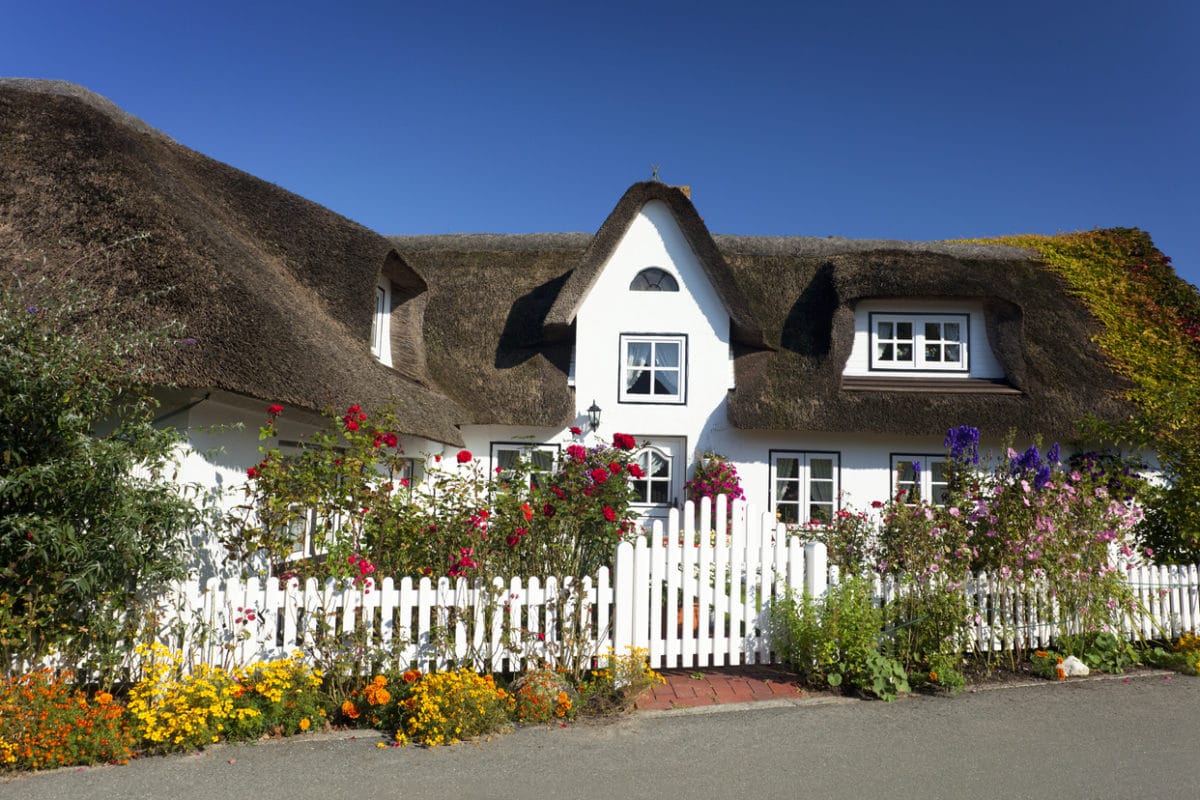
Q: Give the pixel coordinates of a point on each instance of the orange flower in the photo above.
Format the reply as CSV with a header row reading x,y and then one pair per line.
x,y
103,698
411,675
377,695
1062,674
379,681
933,677
350,710
305,724
1041,653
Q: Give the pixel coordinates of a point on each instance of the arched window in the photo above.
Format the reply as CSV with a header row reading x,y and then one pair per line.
x,y
654,279
654,487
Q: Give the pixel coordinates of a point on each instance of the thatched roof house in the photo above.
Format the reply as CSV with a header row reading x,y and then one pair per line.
x,y
277,293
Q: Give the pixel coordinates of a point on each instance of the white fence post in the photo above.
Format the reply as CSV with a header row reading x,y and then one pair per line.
x,y
816,569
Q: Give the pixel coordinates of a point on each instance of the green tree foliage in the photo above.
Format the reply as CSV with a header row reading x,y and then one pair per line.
x,y
89,522
1150,321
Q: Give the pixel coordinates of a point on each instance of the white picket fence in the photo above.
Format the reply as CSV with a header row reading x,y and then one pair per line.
x,y
690,599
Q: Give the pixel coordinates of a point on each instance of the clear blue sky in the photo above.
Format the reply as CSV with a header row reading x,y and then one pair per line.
x,y
882,119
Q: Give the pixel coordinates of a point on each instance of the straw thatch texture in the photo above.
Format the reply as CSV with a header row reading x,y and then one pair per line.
x,y
275,291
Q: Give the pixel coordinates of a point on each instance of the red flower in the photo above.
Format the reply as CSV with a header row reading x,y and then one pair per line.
x,y
390,439
520,531
351,425
275,410
464,456
252,473
576,430
576,452
614,468
548,510
599,475
512,540
623,441
876,504
353,410
559,493
526,511
636,471
610,514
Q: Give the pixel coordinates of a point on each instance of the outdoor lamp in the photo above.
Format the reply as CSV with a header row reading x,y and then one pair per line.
x,y
593,413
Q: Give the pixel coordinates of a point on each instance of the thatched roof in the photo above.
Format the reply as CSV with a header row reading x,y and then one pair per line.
x,y
804,291
276,291
491,295
745,328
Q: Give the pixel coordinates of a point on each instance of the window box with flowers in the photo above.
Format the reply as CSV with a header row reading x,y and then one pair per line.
x,y
714,475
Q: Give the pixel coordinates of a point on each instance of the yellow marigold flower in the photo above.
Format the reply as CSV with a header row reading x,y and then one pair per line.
x,y
933,676
305,724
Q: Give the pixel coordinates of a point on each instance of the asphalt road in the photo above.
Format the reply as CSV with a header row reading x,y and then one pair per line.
x,y
1096,739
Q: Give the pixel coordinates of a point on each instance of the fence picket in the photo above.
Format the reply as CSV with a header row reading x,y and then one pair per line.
x,y
696,593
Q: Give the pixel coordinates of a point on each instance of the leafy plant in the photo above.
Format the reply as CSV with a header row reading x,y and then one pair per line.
x,y
1103,651
91,523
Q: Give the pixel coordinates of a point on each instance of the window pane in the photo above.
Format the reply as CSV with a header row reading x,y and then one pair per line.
x,y
952,352
787,467
906,471
940,495
787,491
789,513
885,352
933,352
904,352
933,330
822,491
639,491
821,468
666,354
637,354
507,459
951,331
637,381
659,492
937,471
885,330
903,330
659,466
666,382
820,513
543,460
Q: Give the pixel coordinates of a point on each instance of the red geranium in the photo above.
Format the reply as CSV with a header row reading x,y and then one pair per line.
x,y
464,456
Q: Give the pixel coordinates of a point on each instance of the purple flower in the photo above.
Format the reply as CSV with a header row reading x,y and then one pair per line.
x,y
1029,460
1053,454
32,309
963,443
1042,479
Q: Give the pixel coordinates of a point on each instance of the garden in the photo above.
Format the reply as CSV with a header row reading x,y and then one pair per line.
x,y
89,518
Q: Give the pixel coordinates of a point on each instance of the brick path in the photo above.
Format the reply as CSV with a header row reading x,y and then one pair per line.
x,y
687,688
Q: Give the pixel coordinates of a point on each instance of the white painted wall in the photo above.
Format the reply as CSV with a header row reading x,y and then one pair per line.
x,y
982,362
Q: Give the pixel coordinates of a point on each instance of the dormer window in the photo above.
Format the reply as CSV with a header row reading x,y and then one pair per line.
x,y
654,279
919,342
381,345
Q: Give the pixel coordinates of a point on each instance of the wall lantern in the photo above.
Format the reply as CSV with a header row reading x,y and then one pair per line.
x,y
593,413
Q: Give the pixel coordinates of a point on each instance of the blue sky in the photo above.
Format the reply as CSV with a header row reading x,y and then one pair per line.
x,y
882,119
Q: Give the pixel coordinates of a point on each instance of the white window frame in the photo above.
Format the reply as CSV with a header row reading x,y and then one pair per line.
x,y
930,490
921,362
649,480
654,340
381,339
523,449
804,501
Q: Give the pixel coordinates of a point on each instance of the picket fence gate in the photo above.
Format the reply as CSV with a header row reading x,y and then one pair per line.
x,y
695,593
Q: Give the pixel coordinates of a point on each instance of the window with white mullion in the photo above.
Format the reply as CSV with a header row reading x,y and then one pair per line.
x,y
804,486
654,486
653,368
920,476
936,342
518,463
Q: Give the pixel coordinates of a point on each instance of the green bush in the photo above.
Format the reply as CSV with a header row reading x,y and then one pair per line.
x,y
89,520
835,641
